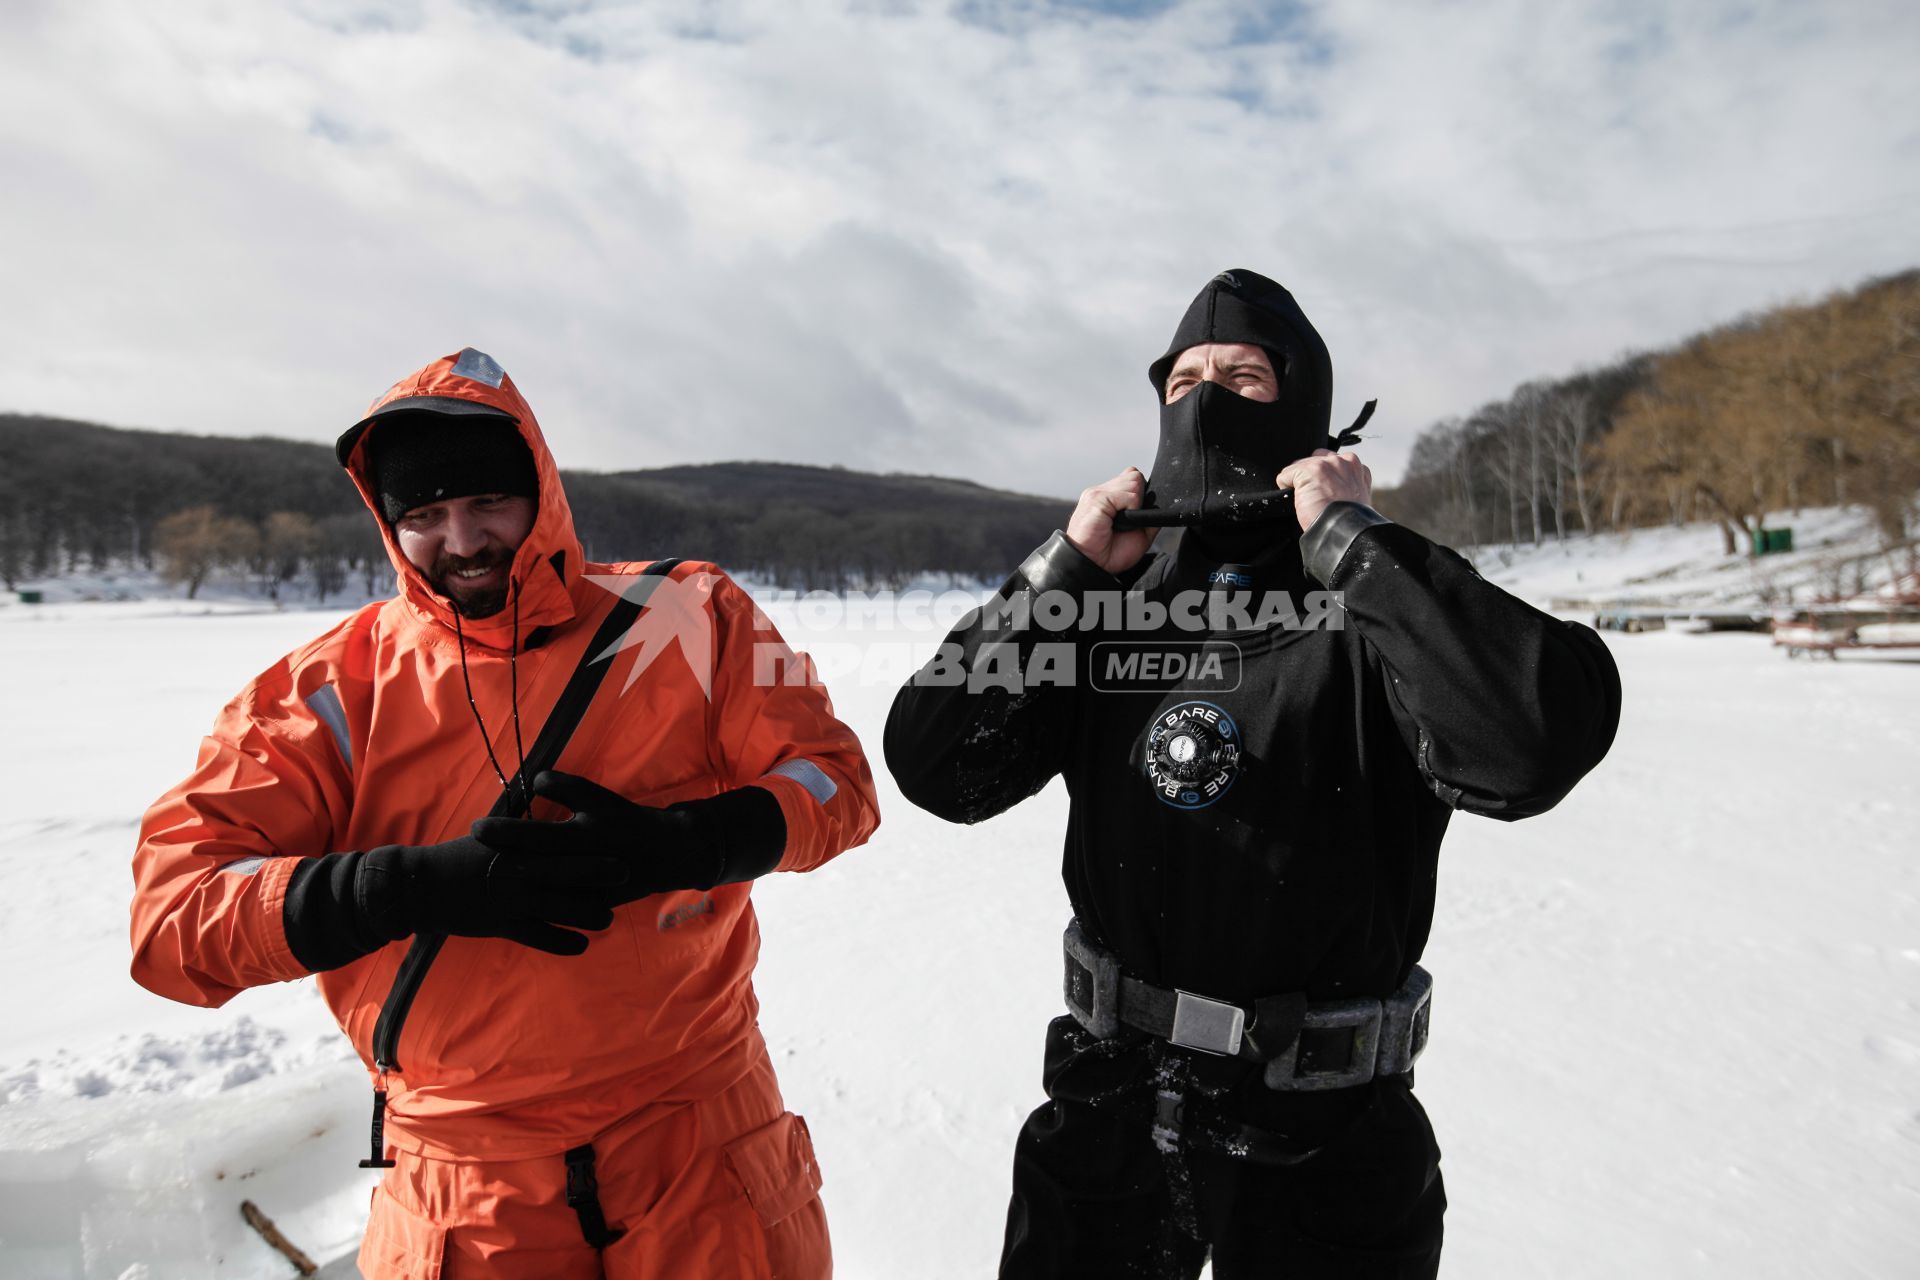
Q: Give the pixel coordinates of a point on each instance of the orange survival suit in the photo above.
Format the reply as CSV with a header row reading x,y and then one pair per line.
x,y
646,1046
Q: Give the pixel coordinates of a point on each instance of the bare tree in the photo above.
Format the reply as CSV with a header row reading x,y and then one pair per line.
x,y
345,543
1570,433
1531,408
1500,427
194,542
15,540
288,540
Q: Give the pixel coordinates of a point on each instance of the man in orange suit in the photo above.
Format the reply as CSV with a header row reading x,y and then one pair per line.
x,y
548,973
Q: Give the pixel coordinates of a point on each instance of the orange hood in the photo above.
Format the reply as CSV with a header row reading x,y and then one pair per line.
x,y
547,567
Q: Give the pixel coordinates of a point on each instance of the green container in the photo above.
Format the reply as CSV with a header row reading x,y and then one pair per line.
x,y
32,597
1768,541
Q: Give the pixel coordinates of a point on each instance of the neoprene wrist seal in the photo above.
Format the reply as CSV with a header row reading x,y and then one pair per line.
x,y
1058,565
1324,546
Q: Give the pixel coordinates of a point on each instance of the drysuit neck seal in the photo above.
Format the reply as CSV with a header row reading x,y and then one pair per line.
x,y
1219,455
1220,451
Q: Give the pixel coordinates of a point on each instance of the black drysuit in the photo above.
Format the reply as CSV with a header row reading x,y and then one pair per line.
x,y
1300,860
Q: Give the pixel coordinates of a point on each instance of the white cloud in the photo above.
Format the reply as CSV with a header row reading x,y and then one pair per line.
x,y
910,236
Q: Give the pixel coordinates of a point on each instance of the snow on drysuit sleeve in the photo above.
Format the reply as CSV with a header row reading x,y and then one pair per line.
x,y
1504,707
217,850
774,727
961,744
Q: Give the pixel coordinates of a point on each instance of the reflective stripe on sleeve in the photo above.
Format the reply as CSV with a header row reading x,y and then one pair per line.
x,y
809,775
245,866
324,702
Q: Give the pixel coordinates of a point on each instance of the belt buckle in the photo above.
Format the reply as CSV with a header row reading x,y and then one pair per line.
x,y
1208,1025
1096,1004
582,1186
1403,1033
1364,1017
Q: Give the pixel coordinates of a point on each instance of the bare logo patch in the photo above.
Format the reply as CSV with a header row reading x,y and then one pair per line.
x,y
1193,754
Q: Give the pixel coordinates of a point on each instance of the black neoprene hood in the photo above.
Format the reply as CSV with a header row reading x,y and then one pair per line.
x,y
1220,451
1244,306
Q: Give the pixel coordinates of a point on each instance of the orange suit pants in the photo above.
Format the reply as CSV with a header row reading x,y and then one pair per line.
x,y
721,1189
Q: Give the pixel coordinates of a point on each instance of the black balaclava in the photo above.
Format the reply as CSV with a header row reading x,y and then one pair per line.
x,y
420,456
1219,451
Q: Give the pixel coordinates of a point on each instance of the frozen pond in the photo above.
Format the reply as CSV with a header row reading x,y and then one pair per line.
x,y
1677,1026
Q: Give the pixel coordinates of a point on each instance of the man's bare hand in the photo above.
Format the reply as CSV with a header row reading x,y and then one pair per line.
x,y
1324,478
1091,528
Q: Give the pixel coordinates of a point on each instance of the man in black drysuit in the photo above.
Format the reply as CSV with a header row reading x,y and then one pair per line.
x,y
1251,848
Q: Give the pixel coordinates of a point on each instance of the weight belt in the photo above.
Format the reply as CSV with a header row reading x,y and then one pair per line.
x,y
1303,1046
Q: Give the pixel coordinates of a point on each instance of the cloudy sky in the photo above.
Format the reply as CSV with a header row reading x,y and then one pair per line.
x,y
941,237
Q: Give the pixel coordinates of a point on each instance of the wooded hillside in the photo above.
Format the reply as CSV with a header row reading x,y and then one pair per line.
x,y
77,496
1810,404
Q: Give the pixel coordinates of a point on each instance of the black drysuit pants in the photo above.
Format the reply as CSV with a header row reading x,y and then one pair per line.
x,y
1111,1179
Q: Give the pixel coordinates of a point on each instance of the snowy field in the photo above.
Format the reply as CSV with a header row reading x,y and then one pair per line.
x,y
1677,1030
1836,552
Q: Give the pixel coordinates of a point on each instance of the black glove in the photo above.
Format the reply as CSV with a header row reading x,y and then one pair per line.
x,y
696,844
345,905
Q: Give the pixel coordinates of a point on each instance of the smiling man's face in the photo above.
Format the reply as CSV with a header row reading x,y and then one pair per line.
x,y
465,547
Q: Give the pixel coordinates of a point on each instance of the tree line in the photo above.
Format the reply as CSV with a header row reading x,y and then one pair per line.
x,y
1809,404
79,497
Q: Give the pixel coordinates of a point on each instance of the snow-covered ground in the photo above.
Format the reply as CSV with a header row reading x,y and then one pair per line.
x,y
1837,551
1677,1030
